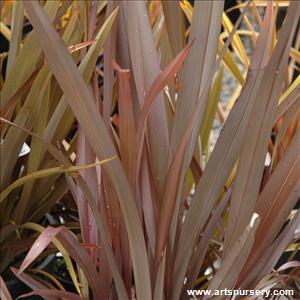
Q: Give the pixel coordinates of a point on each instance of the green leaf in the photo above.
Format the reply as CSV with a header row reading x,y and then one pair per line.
x,y
211,109
30,53
49,172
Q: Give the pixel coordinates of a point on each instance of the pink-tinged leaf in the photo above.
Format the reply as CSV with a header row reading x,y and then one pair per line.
x,y
79,46
292,98
52,293
4,293
85,155
196,77
109,56
145,66
287,121
288,265
159,284
276,201
156,87
126,258
86,112
127,127
80,255
196,169
74,249
104,274
104,236
148,202
204,243
197,71
112,207
170,191
174,21
270,257
280,179
255,146
39,246
220,163
32,283
268,282
160,81
233,263
112,211
92,19
169,196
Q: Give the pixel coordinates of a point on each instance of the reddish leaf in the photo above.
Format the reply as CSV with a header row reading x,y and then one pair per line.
x,y
127,127
39,246
74,249
57,294
4,293
270,257
156,87
254,148
32,283
204,243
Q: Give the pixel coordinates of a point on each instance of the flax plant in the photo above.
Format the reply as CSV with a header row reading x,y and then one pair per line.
x,y
162,207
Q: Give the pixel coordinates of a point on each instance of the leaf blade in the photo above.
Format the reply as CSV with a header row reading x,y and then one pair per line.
x,y
73,86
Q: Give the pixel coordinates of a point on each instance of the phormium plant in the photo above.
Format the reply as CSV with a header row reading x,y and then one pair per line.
x,y
117,103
